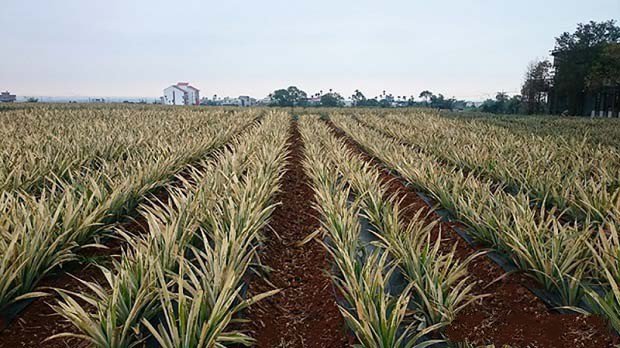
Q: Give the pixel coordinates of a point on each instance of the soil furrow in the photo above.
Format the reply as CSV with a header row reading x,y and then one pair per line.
x,y
511,315
304,313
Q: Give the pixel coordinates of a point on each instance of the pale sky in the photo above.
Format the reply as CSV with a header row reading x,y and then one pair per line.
x,y
467,49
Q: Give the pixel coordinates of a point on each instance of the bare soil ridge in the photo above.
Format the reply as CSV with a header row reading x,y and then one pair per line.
x,y
304,313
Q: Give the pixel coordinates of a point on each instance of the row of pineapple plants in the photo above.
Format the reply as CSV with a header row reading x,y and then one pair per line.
x,y
181,283
40,145
596,130
574,261
578,178
380,313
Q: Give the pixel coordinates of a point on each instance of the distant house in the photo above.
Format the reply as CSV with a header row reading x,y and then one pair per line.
x,y
228,101
6,97
313,101
265,101
181,94
245,100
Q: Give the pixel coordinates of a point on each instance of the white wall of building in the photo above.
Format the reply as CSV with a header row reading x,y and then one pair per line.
x,y
245,100
181,94
193,95
173,95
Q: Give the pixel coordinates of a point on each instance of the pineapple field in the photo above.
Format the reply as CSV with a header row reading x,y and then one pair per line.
x,y
148,226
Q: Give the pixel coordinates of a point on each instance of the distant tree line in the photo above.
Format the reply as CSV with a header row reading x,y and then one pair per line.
x,y
293,97
503,104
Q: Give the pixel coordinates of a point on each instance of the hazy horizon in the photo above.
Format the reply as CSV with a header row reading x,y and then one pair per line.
x,y
116,49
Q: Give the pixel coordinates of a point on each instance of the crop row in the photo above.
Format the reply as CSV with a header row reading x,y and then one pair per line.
x,y
398,284
595,131
576,262
180,284
45,144
570,174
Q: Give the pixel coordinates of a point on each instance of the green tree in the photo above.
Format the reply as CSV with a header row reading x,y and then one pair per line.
x,y
358,98
372,102
501,100
605,70
440,102
426,96
537,84
291,96
593,34
503,104
386,100
576,55
514,105
332,99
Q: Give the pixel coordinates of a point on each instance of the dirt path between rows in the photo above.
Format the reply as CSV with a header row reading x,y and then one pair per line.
x,y
512,315
304,313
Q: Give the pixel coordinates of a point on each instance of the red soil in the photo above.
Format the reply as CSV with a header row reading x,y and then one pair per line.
x,y
304,313
511,315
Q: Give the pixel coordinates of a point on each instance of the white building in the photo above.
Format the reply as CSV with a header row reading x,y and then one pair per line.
x,y
181,94
228,101
245,100
265,101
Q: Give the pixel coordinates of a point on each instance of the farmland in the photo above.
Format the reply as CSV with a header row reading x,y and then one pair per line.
x,y
131,226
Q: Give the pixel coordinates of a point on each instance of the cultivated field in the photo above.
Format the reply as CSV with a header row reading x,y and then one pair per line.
x,y
145,226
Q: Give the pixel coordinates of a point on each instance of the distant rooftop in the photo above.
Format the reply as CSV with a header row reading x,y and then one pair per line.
x,y
7,97
186,85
